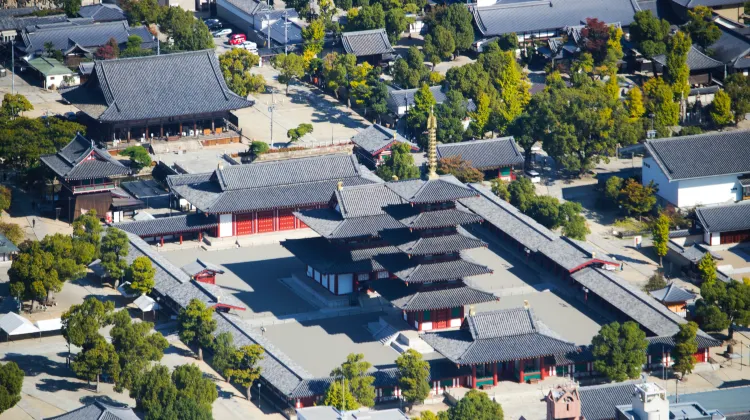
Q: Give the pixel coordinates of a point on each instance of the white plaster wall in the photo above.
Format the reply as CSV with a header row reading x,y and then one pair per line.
x,y
456,322
715,238
651,172
427,326
705,191
225,225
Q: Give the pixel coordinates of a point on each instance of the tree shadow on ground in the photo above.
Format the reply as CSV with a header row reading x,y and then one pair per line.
x,y
33,365
179,352
104,399
54,385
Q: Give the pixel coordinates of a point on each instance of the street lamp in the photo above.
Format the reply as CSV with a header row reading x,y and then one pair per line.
x,y
259,395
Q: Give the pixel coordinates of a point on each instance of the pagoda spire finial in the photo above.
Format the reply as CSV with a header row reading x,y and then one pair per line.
x,y
432,146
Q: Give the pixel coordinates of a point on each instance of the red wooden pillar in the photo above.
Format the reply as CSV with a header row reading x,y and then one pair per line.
x,y
520,374
162,241
474,376
541,368
200,236
494,374
180,133
180,239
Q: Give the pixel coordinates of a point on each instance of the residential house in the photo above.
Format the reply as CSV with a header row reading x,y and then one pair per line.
x,y
371,45
102,12
496,158
53,73
79,41
263,196
88,176
7,249
699,170
186,97
400,100
373,144
732,48
260,21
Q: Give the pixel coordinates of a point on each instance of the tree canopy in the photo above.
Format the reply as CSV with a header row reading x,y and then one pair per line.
x,y
139,157
413,377
475,405
400,164
96,358
660,235
185,394
115,245
187,32
196,325
701,26
136,346
685,347
649,33
459,168
11,381
620,351
354,370
235,66
290,67
723,305
242,365
737,87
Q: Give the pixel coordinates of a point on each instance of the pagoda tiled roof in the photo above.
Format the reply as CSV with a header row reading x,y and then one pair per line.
x,y
417,191
409,298
325,257
413,243
414,218
413,271
329,223
71,161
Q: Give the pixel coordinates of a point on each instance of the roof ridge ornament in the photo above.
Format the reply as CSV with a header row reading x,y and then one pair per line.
x,y
432,146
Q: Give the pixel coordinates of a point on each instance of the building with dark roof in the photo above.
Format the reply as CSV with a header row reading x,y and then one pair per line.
x,y
374,143
192,225
703,69
157,98
7,248
255,16
545,19
203,271
675,298
400,100
13,21
497,158
261,197
97,411
729,9
732,49
88,176
79,40
502,343
371,45
697,170
725,224
102,12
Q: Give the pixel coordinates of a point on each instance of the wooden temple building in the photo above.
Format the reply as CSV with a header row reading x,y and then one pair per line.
x,y
88,179
402,239
167,97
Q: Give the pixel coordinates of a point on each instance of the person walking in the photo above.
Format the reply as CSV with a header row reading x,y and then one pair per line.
x,y
33,223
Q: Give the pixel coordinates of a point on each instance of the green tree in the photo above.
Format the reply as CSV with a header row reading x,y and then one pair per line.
x,y
114,247
14,104
5,198
244,367
235,66
481,117
12,232
196,324
193,385
458,20
400,164
290,67
500,188
634,103
439,45
367,17
513,86
475,405
137,345
701,26
257,148
660,102
133,48
314,34
395,24
707,268
612,189
140,274
721,109
295,134
96,358
413,377
70,7
139,157
187,32
11,381
224,351
340,396
676,70
354,370
81,323
424,103
655,282
660,235
737,86
142,11
459,168
154,392
450,115
573,224
378,100
508,42
410,72
732,300
685,347
522,193
614,49
545,210
649,33
637,198
87,233
35,271
620,351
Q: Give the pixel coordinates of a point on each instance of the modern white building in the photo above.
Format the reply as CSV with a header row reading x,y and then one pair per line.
x,y
699,170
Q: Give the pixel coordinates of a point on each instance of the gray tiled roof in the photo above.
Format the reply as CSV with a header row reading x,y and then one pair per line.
x,y
365,200
267,185
732,48
97,411
69,162
8,22
198,266
157,86
725,218
89,37
102,12
6,246
530,16
413,243
484,154
417,191
667,343
405,97
702,155
167,276
409,298
329,223
364,43
696,60
708,3
498,336
643,309
413,218
598,402
320,254
411,271
210,294
672,294
376,138
251,7
169,225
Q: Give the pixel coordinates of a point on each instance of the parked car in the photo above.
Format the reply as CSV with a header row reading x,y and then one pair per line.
x,y
211,21
221,32
215,26
534,176
250,46
237,39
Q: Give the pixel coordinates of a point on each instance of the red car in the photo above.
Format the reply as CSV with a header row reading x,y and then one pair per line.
x,y
237,39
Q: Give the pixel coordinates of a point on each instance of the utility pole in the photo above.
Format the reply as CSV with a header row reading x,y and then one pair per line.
x,y
268,24
286,23
13,66
271,108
